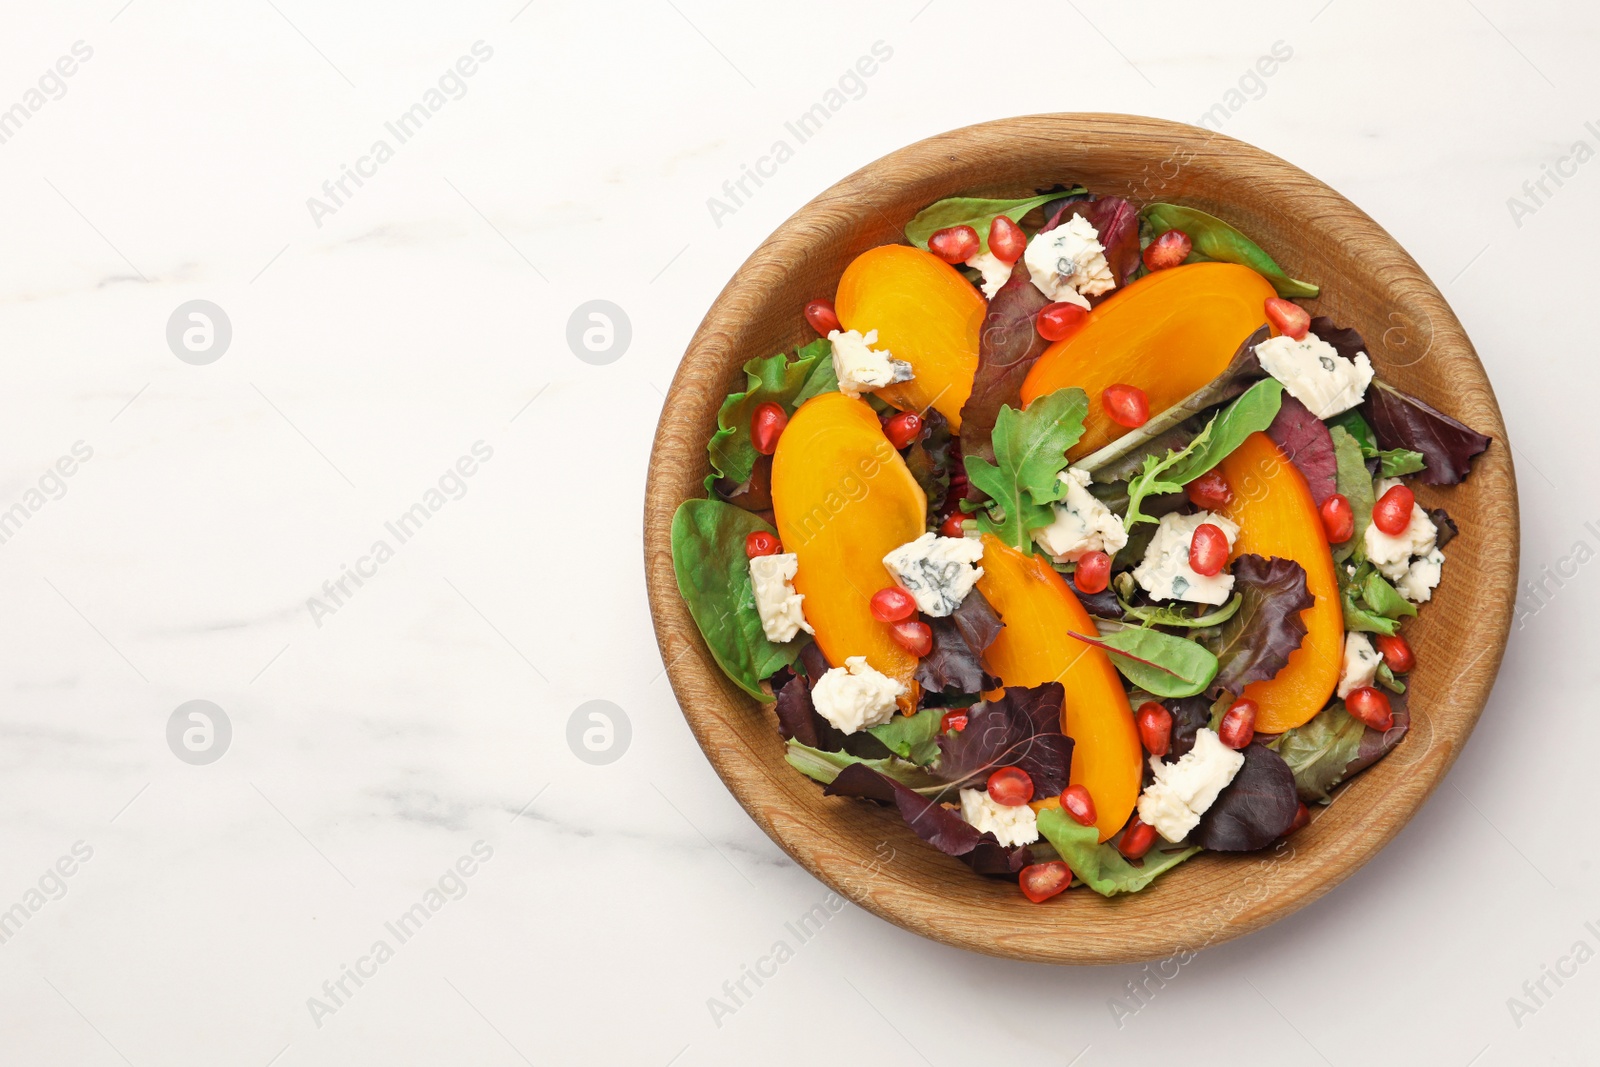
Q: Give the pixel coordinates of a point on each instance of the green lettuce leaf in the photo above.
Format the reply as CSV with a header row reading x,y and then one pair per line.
x,y
824,767
714,578
781,379
912,737
1358,615
1100,866
1384,599
1355,485
1030,449
1252,412
1159,663
1215,239
972,211
1332,746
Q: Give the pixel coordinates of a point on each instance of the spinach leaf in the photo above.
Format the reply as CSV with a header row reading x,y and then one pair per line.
x,y
1100,866
1157,662
714,578
822,379
1384,599
1167,430
1355,484
971,211
1332,746
1404,422
1255,809
1251,413
1215,239
1008,346
1353,424
912,737
1030,450
1256,643
777,378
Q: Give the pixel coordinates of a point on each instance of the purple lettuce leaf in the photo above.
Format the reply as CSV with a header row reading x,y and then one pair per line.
x,y
1008,346
955,663
1401,421
1332,746
930,458
1445,524
1305,439
1255,809
1255,644
937,825
1021,729
1345,340
1189,714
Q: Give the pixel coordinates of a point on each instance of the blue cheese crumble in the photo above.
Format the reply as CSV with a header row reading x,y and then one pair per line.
x,y
996,271
1165,573
1082,523
1360,663
1068,263
855,696
1411,559
1017,825
1313,372
862,368
937,571
776,601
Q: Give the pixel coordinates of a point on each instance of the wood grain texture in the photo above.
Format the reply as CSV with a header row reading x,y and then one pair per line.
x,y
1368,281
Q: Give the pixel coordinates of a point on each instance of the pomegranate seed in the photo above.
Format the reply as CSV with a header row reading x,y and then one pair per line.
x,y
1238,726
1093,573
1338,519
954,244
1371,707
1211,490
892,604
1208,549
1155,728
822,317
902,429
1288,317
1168,250
1137,837
1041,881
1396,652
953,720
766,425
913,636
1076,802
1126,404
1006,240
1392,512
952,525
1010,787
761,543
1302,819
1059,320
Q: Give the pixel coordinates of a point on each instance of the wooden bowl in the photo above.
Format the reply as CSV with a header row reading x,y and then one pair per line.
x,y
1368,281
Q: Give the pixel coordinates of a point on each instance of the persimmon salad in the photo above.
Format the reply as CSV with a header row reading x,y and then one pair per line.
x,y
1074,539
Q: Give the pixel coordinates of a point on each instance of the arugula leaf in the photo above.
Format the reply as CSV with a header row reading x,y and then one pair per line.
x,y
1404,422
1164,615
1251,413
1215,239
777,378
1157,662
1253,810
912,737
1384,599
1166,430
714,579
971,211
1030,450
1100,866
1256,643
1354,483
1332,746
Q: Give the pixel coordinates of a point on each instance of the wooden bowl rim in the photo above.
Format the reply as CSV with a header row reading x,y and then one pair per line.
x,y
708,371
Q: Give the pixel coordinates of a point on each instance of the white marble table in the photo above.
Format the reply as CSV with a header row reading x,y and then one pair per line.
x,y
384,732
